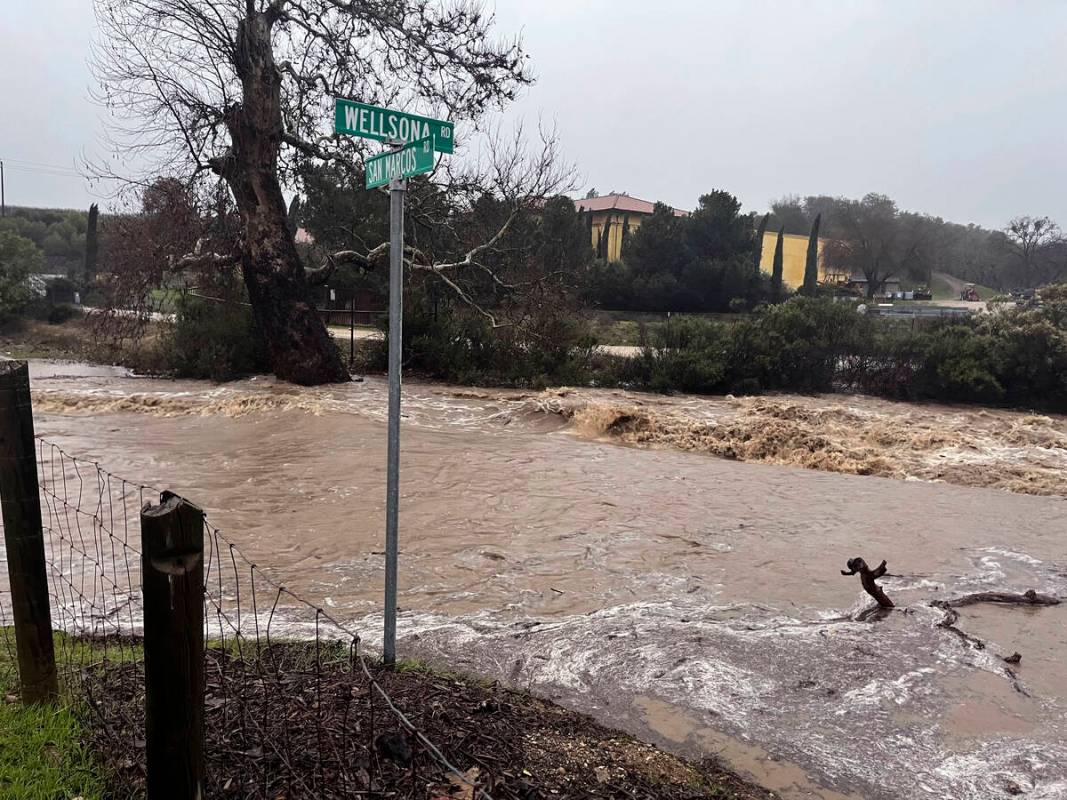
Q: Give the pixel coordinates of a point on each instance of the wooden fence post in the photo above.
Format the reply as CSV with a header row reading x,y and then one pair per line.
x,y
24,537
172,563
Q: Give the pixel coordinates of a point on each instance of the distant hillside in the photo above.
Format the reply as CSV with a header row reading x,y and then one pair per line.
x,y
948,287
58,232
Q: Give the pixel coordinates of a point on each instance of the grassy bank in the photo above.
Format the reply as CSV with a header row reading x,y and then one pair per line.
x,y
31,338
944,287
43,755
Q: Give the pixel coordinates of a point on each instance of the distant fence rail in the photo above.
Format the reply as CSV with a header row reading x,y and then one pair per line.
x,y
347,316
288,704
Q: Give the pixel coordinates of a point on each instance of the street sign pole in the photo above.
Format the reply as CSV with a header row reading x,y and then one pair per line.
x,y
412,141
397,190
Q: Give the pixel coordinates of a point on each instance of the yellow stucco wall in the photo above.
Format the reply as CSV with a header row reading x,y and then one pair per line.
x,y
617,221
794,255
794,246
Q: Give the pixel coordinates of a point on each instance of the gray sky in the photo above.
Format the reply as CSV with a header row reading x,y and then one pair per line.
x,y
953,108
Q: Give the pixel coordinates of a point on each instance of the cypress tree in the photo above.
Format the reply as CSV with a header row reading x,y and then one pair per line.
x,y
625,235
760,231
604,247
92,245
776,273
811,264
293,215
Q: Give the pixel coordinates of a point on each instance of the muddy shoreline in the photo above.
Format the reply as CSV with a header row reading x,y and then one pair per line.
x,y
265,738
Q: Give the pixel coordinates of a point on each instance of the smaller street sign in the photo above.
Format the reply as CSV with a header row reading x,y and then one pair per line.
x,y
414,159
387,125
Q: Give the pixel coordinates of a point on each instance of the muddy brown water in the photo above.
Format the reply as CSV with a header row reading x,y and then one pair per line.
x,y
596,548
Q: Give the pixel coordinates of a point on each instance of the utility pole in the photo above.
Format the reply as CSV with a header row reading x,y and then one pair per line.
x,y
3,202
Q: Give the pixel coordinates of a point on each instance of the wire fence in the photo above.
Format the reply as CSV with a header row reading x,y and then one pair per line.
x,y
293,706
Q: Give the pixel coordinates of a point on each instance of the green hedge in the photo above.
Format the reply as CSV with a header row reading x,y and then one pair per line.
x,y
1016,357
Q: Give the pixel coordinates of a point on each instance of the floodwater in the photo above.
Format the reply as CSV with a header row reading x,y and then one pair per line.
x,y
669,565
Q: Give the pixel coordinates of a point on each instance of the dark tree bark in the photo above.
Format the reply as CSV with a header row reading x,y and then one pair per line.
x,y
298,343
242,90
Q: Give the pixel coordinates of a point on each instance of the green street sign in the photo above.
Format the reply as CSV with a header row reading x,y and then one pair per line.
x,y
414,159
384,124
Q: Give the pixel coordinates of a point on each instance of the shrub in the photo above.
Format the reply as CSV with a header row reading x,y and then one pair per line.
x,y
213,340
61,312
18,258
796,345
550,346
689,356
956,363
805,344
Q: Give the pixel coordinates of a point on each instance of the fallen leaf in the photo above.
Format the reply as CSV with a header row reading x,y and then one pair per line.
x,y
463,788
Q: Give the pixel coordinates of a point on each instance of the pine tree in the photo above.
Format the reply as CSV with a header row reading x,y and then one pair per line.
x,y
811,264
776,273
757,256
92,245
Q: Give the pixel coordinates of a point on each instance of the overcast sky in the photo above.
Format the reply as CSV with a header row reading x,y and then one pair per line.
x,y
953,108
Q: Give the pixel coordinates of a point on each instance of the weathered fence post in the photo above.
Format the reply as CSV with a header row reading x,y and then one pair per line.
x,y
24,537
172,563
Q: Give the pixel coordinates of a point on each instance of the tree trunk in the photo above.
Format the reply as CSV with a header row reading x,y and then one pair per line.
x,y
873,284
298,344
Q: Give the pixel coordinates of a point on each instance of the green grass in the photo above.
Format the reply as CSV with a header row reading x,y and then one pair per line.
x,y
941,290
165,301
42,754
623,327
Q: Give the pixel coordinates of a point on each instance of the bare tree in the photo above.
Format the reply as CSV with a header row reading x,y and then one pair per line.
x,y
241,89
170,238
1033,243
871,237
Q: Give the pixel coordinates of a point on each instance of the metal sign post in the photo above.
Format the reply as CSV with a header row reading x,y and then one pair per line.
x,y
413,141
397,189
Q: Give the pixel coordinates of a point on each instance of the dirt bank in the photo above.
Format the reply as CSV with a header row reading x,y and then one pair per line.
x,y
330,736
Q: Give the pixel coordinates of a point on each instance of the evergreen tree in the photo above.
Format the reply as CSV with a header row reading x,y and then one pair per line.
x,y
757,254
625,236
603,249
776,272
293,215
811,264
561,240
92,245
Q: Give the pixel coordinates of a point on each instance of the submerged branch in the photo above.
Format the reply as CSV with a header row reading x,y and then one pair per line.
x,y
1027,598
867,578
952,616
